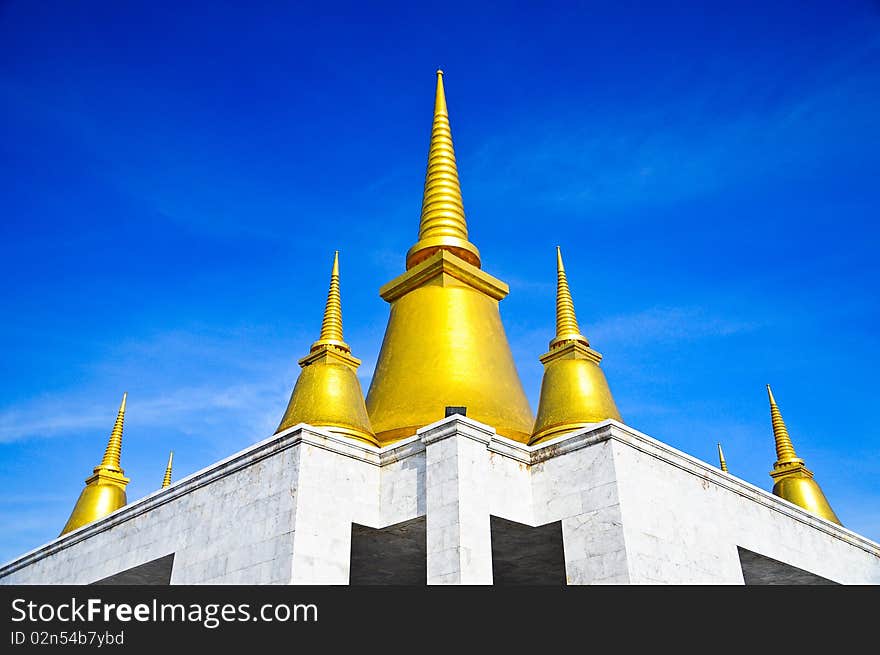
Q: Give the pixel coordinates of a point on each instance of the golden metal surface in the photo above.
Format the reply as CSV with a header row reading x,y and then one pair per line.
x,y
105,489
566,322
445,345
166,481
442,224
721,459
574,391
327,392
792,479
331,326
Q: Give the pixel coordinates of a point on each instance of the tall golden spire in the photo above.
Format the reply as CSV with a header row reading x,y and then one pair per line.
x,y
721,460
110,461
166,481
574,391
784,448
331,326
566,322
445,343
327,392
793,480
105,489
442,225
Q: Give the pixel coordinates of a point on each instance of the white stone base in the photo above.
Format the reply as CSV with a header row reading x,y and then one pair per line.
x,y
632,510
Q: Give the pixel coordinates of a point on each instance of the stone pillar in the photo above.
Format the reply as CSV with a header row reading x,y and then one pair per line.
x,y
335,487
578,486
459,539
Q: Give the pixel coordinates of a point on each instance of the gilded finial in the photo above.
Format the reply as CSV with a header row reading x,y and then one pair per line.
x,y
440,108
110,461
784,448
721,459
442,224
566,322
792,479
166,481
331,325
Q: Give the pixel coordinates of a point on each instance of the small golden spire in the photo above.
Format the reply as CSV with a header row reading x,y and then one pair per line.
x,y
566,322
331,326
574,391
442,225
327,392
105,488
721,459
110,460
792,479
784,448
166,481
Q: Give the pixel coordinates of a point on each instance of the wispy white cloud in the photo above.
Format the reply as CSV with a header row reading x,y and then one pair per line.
x,y
667,324
666,153
521,284
626,337
645,327
188,409
391,261
190,381
29,499
27,523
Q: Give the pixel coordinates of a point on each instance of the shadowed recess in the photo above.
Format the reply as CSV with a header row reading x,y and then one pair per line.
x,y
523,555
155,572
397,554
760,570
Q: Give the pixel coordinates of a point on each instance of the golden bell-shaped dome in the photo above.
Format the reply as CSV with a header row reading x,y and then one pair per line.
x,y
327,392
792,479
104,492
445,344
574,391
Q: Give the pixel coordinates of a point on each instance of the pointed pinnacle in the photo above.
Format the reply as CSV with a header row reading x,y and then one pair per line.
x,y
566,322
442,224
166,481
111,459
784,448
721,459
331,326
440,97
442,207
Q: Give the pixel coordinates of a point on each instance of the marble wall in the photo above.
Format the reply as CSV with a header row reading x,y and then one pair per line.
x,y
632,510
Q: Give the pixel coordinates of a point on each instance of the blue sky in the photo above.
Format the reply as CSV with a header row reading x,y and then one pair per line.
x,y
176,176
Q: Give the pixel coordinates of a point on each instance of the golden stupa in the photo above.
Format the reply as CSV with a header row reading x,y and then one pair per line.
x,y
574,391
793,480
445,344
327,392
105,489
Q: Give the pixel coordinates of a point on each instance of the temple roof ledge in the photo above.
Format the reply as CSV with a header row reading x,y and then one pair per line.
x,y
456,424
